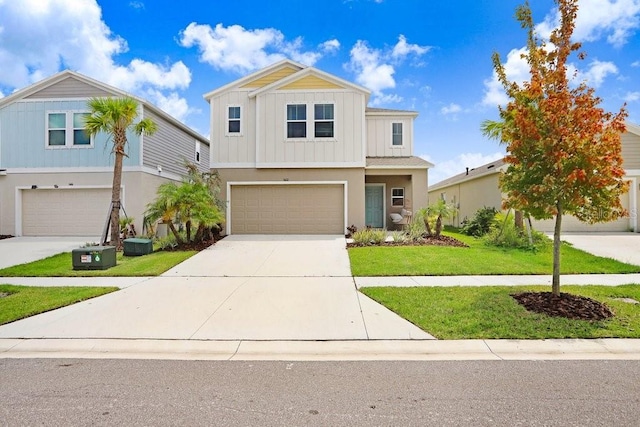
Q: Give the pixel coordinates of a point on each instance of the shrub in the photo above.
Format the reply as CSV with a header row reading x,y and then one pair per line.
x,y
505,234
370,236
415,229
481,222
398,236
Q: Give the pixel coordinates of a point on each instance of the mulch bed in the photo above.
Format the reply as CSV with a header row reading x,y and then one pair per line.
x,y
193,246
566,305
5,236
424,241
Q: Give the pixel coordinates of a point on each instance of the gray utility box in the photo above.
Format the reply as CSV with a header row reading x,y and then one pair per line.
x,y
94,258
137,247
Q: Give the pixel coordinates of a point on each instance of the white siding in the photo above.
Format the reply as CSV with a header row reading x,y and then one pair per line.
x,y
379,136
346,147
227,148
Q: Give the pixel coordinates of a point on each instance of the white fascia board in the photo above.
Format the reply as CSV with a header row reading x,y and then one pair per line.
x,y
310,165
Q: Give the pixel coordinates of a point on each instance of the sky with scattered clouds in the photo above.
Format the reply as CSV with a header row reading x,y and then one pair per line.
x,y
431,57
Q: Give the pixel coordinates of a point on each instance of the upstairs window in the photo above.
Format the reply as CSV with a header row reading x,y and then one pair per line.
x,y
197,156
296,121
397,197
323,115
233,120
67,129
396,134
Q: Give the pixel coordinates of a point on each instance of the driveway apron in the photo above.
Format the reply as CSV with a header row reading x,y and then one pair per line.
x,y
241,288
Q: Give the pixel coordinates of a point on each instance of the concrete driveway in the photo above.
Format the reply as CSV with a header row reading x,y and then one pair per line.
x,y
20,250
624,247
242,288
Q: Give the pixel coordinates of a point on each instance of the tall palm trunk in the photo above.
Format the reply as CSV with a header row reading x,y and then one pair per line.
x,y
120,139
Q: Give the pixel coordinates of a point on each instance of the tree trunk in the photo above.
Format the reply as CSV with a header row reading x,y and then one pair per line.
x,y
519,220
115,198
555,284
438,225
175,232
426,225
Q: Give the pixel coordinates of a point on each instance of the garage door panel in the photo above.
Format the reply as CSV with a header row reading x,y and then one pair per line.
x,y
64,212
287,209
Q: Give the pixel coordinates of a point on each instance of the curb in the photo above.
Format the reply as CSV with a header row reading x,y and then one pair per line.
x,y
372,350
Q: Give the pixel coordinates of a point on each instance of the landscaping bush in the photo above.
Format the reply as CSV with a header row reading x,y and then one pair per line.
x,y
504,233
370,236
415,229
481,222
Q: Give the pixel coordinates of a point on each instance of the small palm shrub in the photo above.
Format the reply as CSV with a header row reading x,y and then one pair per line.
x,y
415,230
481,222
398,236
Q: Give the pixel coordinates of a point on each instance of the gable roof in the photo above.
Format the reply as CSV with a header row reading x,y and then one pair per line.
x,y
370,111
471,174
68,74
407,162
632,128
309,71
285,63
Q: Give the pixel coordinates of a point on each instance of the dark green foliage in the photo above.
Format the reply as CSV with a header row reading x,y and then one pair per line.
x,y
481,222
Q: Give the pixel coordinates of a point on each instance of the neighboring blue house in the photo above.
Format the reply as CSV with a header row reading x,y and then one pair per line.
x,y
56,181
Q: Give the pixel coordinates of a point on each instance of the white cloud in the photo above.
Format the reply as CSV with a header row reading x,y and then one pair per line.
x,y
458,164
330,46
40,38
385,99
516,69
375,68
240,50
616,20
596,73
171,103
632,97
136,4
635,64
450,109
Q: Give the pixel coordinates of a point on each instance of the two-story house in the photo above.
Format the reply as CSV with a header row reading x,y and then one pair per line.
x,y
299,152
56,181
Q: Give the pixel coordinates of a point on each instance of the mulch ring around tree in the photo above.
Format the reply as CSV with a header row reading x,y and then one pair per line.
x,y
423,241
566,305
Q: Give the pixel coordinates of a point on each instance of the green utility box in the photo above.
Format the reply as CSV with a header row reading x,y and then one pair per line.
x,y
94,258
137,247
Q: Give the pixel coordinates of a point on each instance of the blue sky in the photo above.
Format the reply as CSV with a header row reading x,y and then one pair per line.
x,y
432,57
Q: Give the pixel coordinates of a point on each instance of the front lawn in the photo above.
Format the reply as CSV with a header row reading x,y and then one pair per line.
x,y
18,302
477,259
60,265
491,313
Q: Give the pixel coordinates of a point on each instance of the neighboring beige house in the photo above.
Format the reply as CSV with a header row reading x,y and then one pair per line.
x,y
478,187
56,181
299,152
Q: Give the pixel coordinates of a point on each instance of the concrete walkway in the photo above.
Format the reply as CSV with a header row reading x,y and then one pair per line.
x,y
624,247
242,288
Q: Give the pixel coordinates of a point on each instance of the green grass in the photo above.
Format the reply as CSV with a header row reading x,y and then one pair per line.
x,y
60,265
491,313
478,258
24,301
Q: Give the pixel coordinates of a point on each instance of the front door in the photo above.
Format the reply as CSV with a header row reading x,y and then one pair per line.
x,y
374,205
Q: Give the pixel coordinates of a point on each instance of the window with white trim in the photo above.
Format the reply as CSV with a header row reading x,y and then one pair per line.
x,y
197,156
396,134
296,120
323,120
67,129
234,113
397,197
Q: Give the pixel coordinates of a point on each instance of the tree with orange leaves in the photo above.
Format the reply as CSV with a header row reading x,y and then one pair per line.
x,y
563,150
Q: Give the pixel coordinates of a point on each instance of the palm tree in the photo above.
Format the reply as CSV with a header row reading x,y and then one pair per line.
x,y
165,208
116,116
440,210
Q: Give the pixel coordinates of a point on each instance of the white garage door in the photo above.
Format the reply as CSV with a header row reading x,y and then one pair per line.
x,y
571,224
287,209
65,212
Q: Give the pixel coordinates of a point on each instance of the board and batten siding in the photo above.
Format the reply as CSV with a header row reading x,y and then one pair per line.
x,y
274,148
235,148
379,136
69,88
169,145
23,127
630,150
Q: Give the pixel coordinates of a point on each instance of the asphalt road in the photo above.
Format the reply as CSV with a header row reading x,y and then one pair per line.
x,y
478,393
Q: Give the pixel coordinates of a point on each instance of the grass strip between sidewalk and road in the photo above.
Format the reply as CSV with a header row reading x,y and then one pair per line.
x,y
18,302
491,313
60,265
477,259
